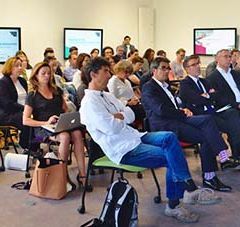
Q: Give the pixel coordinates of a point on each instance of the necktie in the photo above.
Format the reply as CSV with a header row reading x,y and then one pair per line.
x,y
210,108
200,86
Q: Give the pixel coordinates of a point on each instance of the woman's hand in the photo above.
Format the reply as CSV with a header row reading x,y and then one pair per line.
x,y
118,116
133,101
53,119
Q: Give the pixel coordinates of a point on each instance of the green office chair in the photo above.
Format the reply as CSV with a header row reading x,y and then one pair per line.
x,y
105,163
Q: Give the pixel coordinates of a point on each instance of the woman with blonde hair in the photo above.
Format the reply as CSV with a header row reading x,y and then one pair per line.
x,y
44,104
13,91
121,88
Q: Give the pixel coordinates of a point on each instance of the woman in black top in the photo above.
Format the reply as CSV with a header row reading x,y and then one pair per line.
x,y
13,91
44,104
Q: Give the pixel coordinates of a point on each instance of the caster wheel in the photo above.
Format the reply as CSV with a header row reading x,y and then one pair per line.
x,y
139,175
157,199
89,188
2,169
27,175
81,210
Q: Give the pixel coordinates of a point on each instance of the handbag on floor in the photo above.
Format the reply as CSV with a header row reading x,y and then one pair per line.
x,y
49,179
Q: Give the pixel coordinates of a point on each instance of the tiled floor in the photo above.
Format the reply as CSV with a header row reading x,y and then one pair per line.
x,y
19,209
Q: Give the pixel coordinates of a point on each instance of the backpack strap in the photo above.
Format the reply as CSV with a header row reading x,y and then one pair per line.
x,y
120,202
22,185
107,201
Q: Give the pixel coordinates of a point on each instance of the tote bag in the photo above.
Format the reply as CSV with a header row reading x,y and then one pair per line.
x,y
50,180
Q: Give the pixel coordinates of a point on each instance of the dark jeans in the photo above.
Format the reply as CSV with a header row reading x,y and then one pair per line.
x,y
162,149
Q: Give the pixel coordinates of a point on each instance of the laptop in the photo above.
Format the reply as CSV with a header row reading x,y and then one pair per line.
x,y
66,122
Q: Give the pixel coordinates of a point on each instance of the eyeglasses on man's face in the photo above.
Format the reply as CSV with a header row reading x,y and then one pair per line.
x,y
164,68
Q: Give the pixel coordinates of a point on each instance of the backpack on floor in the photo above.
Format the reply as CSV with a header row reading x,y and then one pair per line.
x,y
120,207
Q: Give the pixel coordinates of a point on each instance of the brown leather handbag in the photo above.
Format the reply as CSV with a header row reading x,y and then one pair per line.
x,y
49,179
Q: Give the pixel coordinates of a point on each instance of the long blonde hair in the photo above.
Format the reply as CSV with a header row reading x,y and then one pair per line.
x,y
34,84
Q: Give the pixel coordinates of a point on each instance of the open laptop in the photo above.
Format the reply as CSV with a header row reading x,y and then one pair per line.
x,y
66,122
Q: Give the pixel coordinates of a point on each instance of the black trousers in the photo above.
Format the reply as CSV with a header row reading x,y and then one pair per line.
x,y
228,122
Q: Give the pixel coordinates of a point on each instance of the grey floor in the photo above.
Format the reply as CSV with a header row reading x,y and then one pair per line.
x,y
19,209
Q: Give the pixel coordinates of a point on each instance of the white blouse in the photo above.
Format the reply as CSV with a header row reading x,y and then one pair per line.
x,y
121,90
22,94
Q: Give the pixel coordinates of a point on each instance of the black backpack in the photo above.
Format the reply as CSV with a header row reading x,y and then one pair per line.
x,y
120,207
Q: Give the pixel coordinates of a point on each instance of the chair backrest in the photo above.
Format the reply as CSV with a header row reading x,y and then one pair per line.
x,y
146,125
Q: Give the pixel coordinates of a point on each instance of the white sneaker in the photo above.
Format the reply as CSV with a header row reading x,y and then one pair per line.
x,y
181,214
204,196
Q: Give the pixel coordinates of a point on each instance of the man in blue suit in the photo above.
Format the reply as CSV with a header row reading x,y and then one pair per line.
x,y
199,97
164,113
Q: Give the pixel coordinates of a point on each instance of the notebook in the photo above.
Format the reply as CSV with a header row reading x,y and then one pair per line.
x,y
66,122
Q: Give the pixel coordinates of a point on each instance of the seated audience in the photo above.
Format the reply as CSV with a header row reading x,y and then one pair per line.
x,y
108,126
94,53
120,53
148,58
234,55
132,54
59,81
107,52
177,70
164,113
71,69
26,67
113,61
72,50
13,92
82,60
44,104
121,88
199,97
50,52
161,53
225,81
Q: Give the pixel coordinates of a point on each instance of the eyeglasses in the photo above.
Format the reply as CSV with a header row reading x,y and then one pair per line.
x,y
164,68
194,64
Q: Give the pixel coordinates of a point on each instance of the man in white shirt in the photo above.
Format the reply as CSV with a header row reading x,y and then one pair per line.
x,y
225,81
107,119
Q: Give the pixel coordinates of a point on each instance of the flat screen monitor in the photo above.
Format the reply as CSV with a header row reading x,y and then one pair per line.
x,y
85,39
207,41
10,42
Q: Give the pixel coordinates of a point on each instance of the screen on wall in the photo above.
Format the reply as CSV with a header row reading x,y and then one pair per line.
x,y
10,42
84,39
207,41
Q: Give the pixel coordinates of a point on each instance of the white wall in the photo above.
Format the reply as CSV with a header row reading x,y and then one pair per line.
x,y
42,22
175,20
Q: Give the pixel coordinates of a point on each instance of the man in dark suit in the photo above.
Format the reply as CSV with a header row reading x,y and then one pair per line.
x,y
199,97
225,81
164,114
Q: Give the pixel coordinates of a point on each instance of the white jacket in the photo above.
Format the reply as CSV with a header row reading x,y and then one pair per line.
x,y
113,135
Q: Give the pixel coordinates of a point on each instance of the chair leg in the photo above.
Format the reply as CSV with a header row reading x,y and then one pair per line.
x,y
112,177
157,199
82,209
14,146
2,168
27,174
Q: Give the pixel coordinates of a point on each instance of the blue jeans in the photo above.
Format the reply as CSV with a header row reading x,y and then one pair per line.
x,y
162,149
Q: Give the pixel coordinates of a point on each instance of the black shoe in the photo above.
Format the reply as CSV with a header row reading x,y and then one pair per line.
x,y
229,164
216,185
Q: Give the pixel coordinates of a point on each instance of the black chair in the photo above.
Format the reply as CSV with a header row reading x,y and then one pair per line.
x,y
104,163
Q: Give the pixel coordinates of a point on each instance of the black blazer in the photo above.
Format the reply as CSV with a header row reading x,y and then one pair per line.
x,y
9,96
191,95
160,110
224,94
